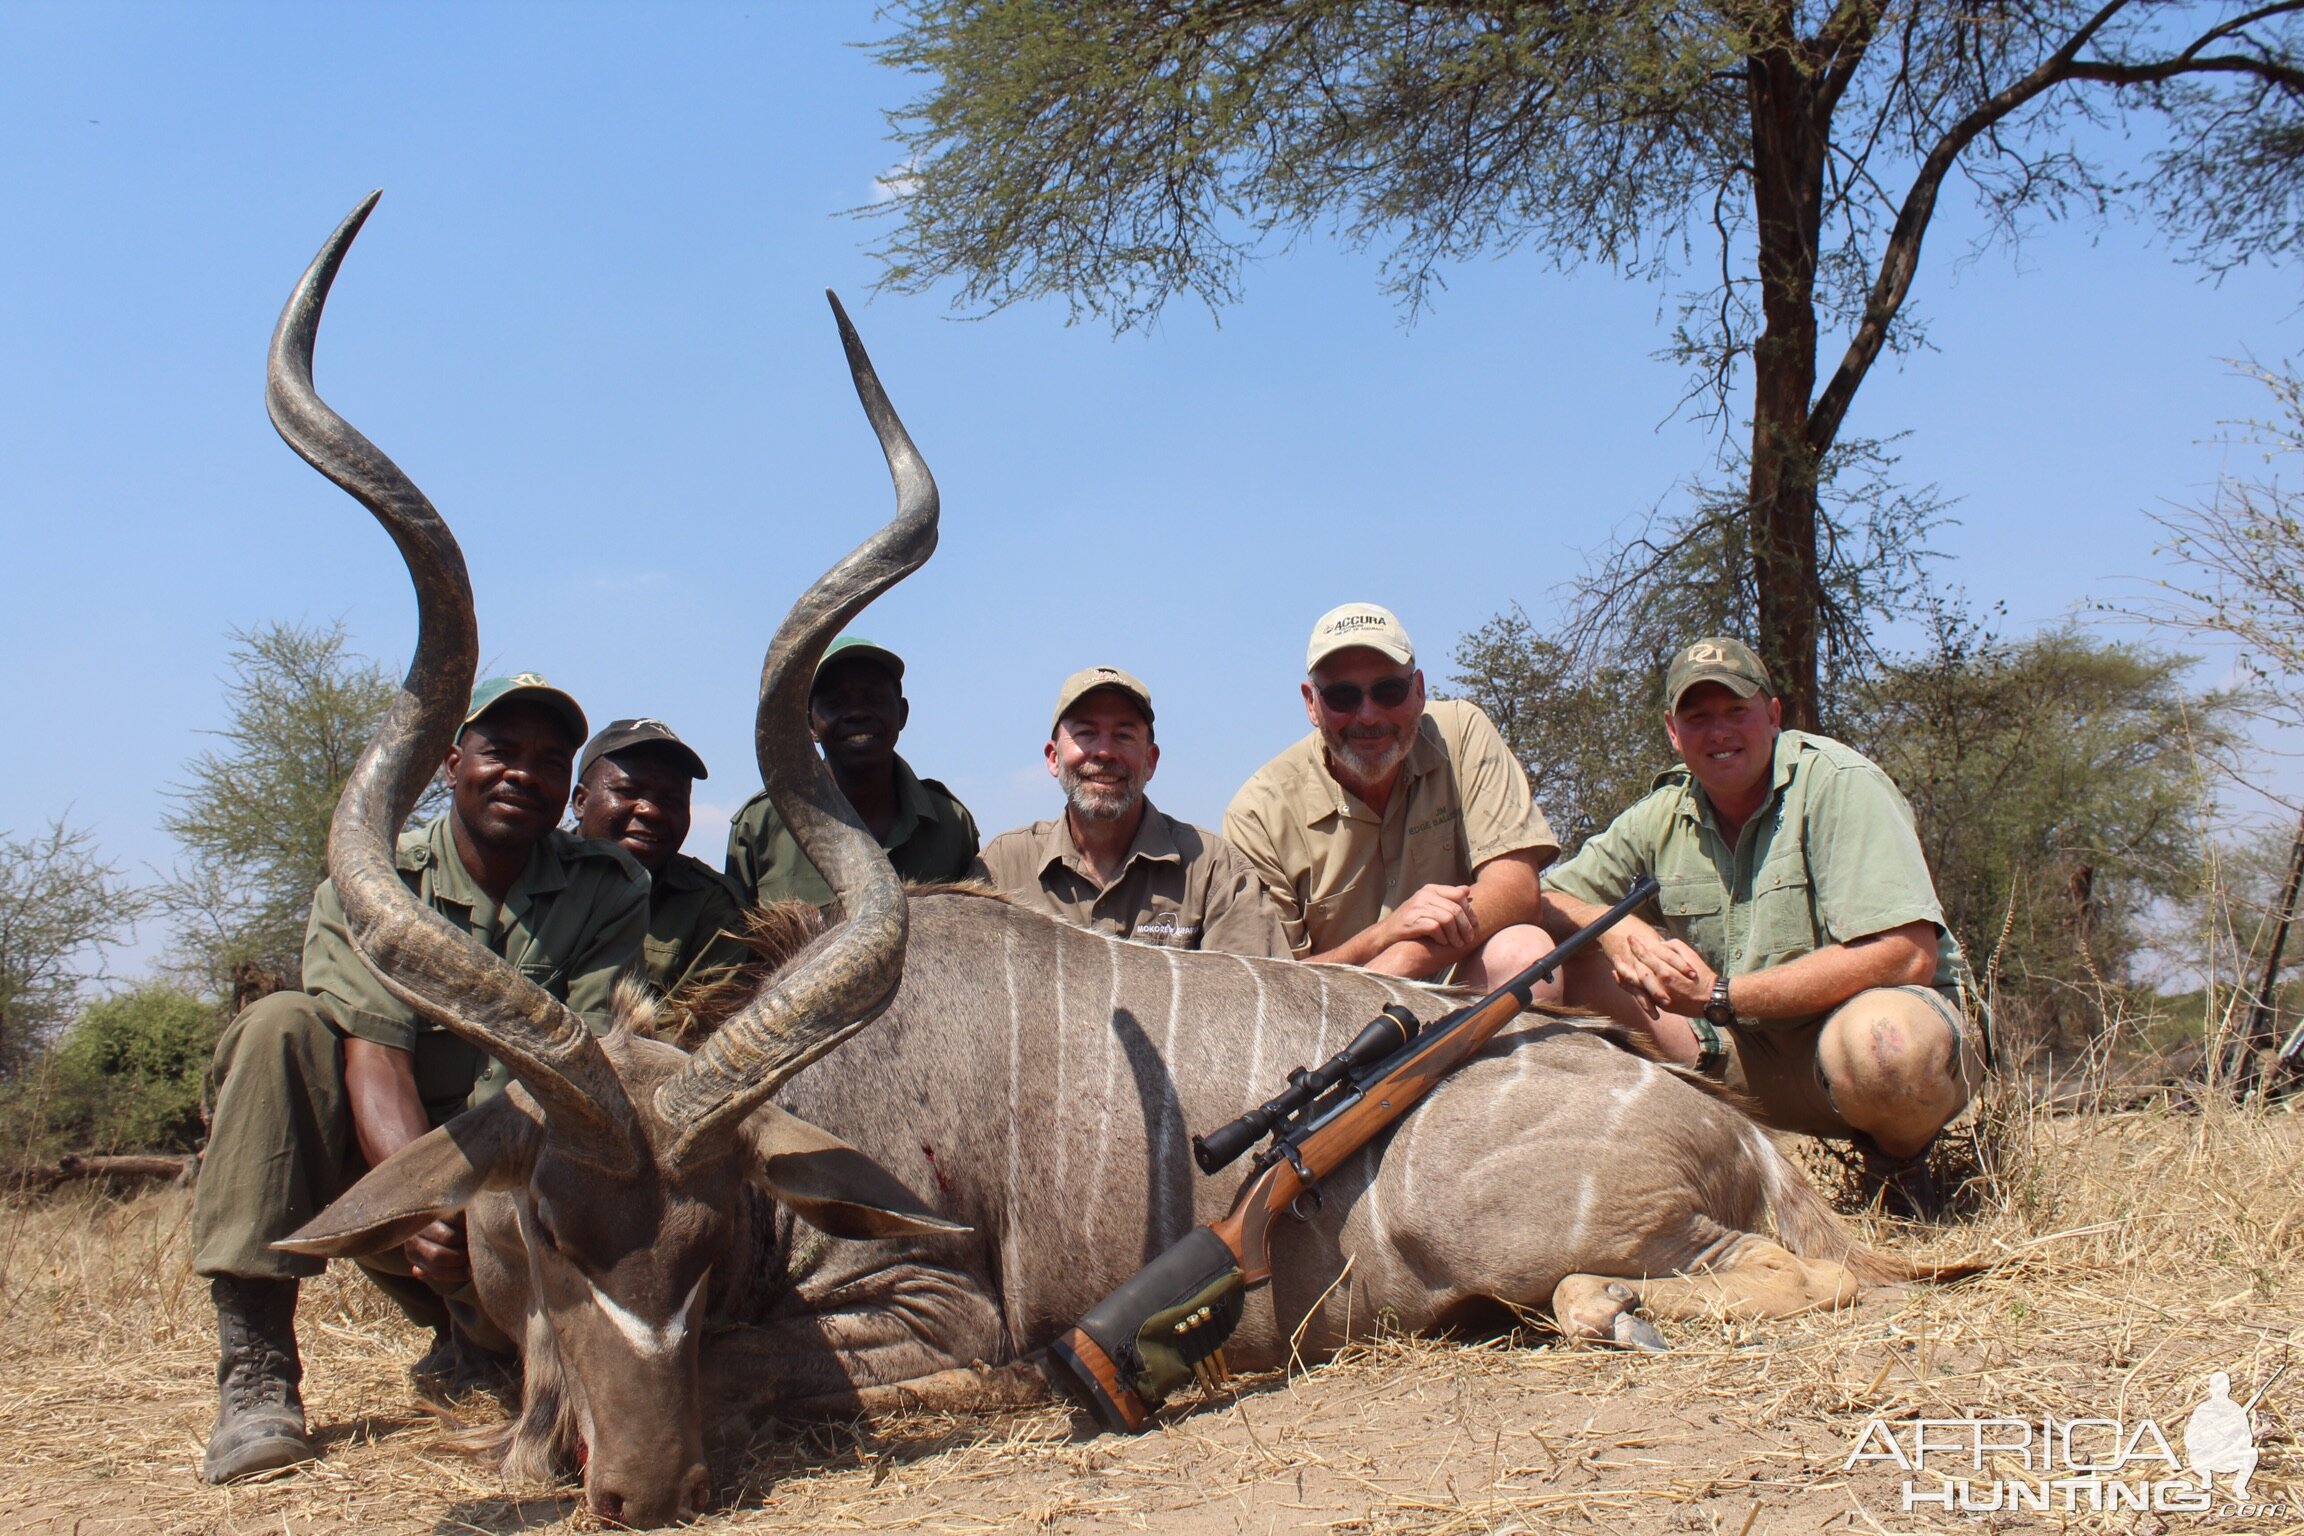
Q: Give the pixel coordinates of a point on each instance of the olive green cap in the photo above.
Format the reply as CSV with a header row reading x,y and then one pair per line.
x,y
1718,659
528,687
857,648
1081,684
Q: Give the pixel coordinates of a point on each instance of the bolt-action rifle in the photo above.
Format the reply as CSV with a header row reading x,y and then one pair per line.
x,y
1168,1324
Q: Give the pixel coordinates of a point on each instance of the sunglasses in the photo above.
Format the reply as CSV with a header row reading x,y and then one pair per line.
x,y
1388,692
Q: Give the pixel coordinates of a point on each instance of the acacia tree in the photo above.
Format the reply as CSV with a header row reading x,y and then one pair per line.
x,y
252,815
1120,153
61,908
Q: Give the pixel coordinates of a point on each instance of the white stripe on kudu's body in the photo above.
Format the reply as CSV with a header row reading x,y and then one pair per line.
x,y
1480,1212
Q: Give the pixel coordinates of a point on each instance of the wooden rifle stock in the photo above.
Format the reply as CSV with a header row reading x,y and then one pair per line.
x,y
1170,1321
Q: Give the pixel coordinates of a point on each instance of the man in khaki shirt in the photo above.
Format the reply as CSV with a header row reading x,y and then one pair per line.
x,y
634,786
1396,836
1114,863
1796,948
314,1087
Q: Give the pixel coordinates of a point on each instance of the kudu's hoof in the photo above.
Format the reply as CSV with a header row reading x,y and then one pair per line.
x,y
1632,1331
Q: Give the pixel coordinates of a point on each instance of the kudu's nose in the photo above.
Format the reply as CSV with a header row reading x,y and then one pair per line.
x,y
611,1501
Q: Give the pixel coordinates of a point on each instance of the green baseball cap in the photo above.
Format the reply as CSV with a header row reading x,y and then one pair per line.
x,y
528,687
857,648
1716,659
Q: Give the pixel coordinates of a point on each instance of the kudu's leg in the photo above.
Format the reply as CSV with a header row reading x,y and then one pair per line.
x,y
913,1336
1754,1278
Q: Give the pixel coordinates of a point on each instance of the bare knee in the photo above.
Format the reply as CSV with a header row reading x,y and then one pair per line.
x,y
1505,954
1892,1062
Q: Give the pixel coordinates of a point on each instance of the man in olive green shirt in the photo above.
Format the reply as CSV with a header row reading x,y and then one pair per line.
x,y
856,710
1112,862
1796,949
634,786
316,1086
1396,836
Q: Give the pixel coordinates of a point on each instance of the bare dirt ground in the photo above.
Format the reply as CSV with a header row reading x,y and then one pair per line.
x,y
2142,1251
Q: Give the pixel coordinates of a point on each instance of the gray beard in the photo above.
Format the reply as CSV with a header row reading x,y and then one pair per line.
x,y
1098,802
1358,761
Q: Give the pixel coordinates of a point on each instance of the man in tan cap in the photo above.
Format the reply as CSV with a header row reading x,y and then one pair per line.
x,y
1397,836
634,787
315,1087
1114,863
1797,951
856,710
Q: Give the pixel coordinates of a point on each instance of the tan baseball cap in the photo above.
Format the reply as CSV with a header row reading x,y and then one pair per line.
x,y
1717,659
1081,684
1354,624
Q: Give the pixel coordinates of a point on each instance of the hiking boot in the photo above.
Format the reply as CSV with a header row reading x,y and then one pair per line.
x,y
259,1411
455,1365
1903,1185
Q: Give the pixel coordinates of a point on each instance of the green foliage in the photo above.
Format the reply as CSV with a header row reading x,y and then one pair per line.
x,y
1688,574
2058,783
1776,166
253,815
2244,549
1591,737
61,907
129,1073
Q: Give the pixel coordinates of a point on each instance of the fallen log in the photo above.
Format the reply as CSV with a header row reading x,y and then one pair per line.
x,y
125,1168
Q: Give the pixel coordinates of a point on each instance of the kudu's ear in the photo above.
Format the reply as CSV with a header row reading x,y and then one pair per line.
x,y
491,1146
829,1184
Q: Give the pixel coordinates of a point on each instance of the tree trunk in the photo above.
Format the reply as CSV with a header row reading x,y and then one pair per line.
x,y
1788,145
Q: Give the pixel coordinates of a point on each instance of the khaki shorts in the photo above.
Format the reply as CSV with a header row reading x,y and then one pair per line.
x,y
1777,1070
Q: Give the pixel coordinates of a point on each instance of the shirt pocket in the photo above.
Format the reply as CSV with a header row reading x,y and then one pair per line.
x,y
1783,912
548,975
1695,911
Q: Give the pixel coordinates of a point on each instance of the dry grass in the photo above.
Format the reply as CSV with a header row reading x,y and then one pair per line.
x,y
2142,1251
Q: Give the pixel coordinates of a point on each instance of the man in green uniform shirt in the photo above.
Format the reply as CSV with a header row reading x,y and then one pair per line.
x,y
633,787
315,1087
1796,949
856,710
1115,863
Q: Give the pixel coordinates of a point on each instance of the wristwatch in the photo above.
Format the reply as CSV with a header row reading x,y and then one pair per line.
x,y
1717,1015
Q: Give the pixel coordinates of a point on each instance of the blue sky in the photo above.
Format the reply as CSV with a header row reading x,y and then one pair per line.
x,y
588,319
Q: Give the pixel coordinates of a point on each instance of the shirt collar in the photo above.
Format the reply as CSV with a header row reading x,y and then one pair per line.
x,y
1425,755
1153,841
433,846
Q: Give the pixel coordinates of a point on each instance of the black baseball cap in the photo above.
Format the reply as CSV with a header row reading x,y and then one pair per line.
x,y
622,735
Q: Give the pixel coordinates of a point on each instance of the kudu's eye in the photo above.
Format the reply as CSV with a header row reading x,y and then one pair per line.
x,y
544,1232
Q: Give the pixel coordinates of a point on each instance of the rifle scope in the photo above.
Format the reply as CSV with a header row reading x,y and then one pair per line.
x,y
1386,1033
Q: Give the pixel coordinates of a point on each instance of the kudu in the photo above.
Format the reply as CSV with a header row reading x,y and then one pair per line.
x,y
1038,1078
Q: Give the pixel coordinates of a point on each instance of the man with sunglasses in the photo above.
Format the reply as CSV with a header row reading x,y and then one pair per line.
x,y
1797,951
1398,836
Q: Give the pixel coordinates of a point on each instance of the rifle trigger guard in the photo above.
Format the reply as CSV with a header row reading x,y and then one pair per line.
x,y
1307,1203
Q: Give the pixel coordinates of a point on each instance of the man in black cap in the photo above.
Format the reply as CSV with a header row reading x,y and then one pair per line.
x,y
315,1087
632,788
856,709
